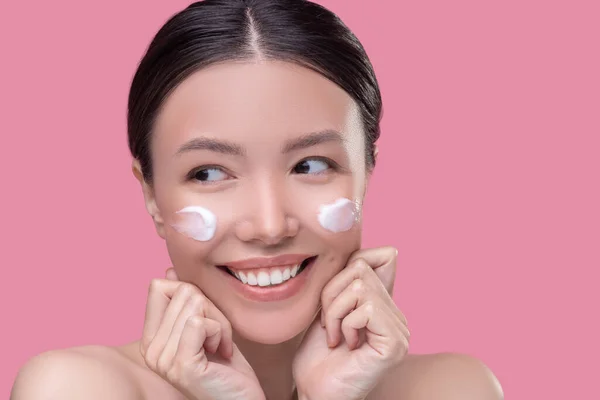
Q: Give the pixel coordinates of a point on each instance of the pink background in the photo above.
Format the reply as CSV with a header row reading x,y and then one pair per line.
x,y
488,179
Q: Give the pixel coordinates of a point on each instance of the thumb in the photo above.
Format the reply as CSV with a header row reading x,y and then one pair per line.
x,y
171,274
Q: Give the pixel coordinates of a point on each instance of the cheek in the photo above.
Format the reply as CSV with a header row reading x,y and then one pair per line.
x,y
339,216
192,233
200,222
329,214
335,224
196,222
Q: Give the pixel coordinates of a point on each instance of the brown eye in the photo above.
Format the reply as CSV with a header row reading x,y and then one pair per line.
x,y
209,175
312,167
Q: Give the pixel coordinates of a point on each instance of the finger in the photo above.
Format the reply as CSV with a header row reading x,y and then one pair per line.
x,y
226,332
160,292
359,269
193,337
175,307
207,309
367,316
193,306
383,260
351,298
377,256
214,332
401,317
405,331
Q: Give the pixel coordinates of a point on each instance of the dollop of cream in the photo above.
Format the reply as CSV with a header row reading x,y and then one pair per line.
x,y
197,223
338,216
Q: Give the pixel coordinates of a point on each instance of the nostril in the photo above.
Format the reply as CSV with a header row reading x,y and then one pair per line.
x,y
268,230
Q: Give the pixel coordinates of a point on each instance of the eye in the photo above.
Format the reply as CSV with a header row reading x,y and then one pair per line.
x,y
209,175
312,166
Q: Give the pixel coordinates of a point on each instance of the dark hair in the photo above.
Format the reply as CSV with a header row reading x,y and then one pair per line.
x,y
214,31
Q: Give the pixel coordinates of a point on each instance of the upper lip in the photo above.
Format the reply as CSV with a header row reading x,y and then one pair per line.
x,y
266,262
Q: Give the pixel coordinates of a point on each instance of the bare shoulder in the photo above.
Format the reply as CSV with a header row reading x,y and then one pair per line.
x,y
90,372
442,376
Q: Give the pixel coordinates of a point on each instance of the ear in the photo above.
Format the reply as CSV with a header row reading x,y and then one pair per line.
x,y
149,198
375,152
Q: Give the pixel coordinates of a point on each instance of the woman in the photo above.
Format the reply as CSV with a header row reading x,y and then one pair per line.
x,y
252,126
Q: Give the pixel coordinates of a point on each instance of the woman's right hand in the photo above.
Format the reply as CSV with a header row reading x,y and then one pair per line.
x,y
188,342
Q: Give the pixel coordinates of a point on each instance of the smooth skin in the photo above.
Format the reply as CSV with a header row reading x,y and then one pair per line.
x,y
341,337
220,371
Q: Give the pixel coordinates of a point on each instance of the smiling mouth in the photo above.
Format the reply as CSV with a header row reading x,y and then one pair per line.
x,y
268,277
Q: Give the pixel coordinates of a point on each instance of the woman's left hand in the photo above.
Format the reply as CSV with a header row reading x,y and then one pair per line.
x,y
357,308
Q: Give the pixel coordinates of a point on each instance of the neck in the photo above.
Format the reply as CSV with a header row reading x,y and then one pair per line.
x,y
272,364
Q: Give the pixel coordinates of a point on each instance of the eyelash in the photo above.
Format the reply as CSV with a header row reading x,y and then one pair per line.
x,y
191,176
332,166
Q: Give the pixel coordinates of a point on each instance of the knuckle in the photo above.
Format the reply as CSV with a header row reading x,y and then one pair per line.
x,y
361,266
186,290
392,251
358,286
198,302
369,308
195,322
155,285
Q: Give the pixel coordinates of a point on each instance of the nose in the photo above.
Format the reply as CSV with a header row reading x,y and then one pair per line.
x,y
268,218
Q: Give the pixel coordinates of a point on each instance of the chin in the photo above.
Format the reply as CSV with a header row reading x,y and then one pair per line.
x,y
274,327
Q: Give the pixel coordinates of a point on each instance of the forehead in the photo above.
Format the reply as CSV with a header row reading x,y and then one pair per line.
x,y
248,102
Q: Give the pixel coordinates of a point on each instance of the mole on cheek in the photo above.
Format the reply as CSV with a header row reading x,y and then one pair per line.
x,y
197,223
338,216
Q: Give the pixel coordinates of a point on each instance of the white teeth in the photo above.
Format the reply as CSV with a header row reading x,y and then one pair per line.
x,y
263,279
252,279
276,277
294,271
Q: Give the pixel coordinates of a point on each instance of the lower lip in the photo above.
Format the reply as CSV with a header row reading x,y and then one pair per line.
x,y
271,293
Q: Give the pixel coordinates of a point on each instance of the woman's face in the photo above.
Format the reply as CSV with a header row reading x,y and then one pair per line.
x,y
262,146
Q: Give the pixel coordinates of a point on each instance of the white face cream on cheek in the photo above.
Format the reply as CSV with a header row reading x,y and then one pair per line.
x,y
197,223
338,216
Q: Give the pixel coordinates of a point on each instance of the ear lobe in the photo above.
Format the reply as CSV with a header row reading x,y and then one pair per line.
x,y
149,198
375,152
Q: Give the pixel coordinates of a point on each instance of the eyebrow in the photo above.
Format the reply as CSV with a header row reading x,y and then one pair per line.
x,y
220,146
312,139
217,146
